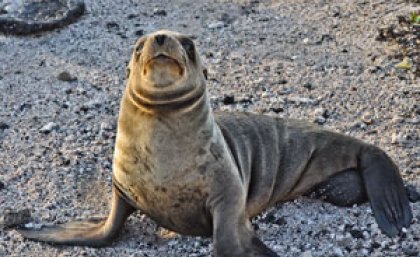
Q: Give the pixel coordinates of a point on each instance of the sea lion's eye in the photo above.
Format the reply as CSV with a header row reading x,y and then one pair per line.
x,y
188,46
139,47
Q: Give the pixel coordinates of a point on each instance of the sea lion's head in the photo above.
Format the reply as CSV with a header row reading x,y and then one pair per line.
x,y
165,67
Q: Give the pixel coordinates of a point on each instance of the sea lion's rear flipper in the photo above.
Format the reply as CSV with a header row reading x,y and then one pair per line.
x,y
345,189
385,190
93,232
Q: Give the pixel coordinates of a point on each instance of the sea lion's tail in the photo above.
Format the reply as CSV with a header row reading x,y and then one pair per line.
x,y
92,232
385,191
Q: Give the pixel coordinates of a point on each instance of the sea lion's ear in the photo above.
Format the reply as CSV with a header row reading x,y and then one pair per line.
x,y
205,73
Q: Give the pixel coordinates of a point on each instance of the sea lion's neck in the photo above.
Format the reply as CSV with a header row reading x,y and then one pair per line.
x,y
171,99
178,112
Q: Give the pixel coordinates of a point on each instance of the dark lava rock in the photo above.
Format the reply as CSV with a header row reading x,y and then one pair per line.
x,y
276,109
3,125
228,99
270,218
356,233
413,194
308,86
13,218
139,32
66,76
160,13
282,81
23,17
112,25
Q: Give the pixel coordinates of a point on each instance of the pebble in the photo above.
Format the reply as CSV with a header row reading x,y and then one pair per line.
x,y
160,12
320,120
91,105
344,241
12,218
139,32
49,127
228,99
356,233
308,86
301,100
32,225
338,252
66,76
367,118
307,254
216,25
3,125
413,194
397,138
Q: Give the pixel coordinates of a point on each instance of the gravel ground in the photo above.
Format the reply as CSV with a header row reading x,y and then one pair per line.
x,y
315,60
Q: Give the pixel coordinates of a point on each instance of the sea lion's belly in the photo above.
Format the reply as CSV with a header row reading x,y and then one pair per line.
x,y
180,208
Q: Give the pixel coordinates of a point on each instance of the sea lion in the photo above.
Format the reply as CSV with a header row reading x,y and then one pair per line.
x,y
199,173
23,17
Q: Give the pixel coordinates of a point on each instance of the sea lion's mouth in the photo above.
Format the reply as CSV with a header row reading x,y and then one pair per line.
x,y
164,60
163,69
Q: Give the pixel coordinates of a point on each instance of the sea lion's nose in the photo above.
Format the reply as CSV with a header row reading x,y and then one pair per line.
x,y
160,39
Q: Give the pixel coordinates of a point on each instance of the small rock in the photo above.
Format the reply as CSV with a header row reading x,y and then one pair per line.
x,y
3,125
301,100
344,241
405,64
160,12
412,193
132,16
139,32
397,138
306,41
216,25
365,252
308,86
320,120
338,252
367,118
91,105
356,233
35,226
112,25
66,76
276,109
228,99
414,121
411,250
2,186
397,119
49,127
307,254
13,218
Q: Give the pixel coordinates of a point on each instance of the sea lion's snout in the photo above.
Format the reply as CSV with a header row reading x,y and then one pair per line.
x,y
163,60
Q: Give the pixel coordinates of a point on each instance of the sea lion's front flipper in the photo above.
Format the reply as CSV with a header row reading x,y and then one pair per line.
x,y
232,231
93,232
385,190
